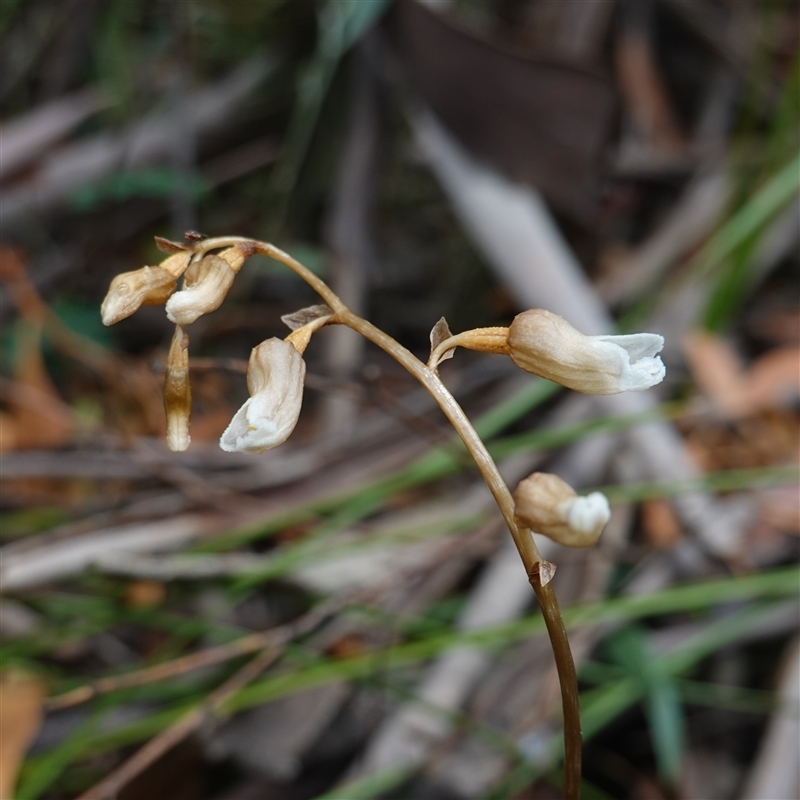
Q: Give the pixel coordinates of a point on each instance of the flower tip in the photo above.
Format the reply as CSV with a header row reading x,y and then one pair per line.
x,y
550,506
178,439
254,430
205,285
588,516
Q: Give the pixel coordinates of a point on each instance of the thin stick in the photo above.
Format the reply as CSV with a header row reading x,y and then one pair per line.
x,y
110,786
274,638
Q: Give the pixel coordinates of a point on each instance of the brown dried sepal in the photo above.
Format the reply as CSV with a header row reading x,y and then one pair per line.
x,y
440,332
298,319
542,573
300,337
167,246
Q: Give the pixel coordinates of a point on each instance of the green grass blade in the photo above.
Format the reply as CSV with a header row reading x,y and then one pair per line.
x,y
662,700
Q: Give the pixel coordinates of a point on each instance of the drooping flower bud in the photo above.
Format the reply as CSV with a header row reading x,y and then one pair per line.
x,y
547,345
148,286
549,505
204,287
178,392
275,375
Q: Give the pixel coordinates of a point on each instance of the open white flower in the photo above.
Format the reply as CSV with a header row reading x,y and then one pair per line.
x,y
275,375
545,344
549,505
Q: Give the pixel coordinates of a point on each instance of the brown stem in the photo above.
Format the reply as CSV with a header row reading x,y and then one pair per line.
x,y
486,340
523,539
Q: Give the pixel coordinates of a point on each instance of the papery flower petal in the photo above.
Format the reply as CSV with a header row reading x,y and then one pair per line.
x,y
587,516
547,345
275,375
205,285
550,506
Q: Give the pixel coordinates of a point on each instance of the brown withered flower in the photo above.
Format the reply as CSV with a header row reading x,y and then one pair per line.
x,y
148,286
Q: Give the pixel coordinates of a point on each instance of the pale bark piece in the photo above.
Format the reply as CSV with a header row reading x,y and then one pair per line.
x,y
776,772
273,738
54,560
408,736
23,139
94,158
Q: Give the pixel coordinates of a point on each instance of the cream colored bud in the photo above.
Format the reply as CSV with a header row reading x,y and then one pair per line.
x,y
275,375
178,392
129,291
550,506
204,288
545,344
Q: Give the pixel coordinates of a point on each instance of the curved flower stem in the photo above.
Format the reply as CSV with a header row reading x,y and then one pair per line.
x,y
523,539
487,340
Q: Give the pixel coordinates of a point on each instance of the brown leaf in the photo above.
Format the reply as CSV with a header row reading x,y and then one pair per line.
x,y
21,698
8,432
305,315
771,382
717,371
660,524
774,379
41,418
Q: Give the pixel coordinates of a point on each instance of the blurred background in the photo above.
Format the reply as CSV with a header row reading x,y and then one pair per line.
x,y
344,617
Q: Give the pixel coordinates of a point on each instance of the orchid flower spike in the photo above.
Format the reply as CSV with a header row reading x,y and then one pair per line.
x,y
275,375
547,345
550,506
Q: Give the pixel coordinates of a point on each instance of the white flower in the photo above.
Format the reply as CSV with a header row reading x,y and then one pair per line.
x,y
204,288
550,506
275,375
545,344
